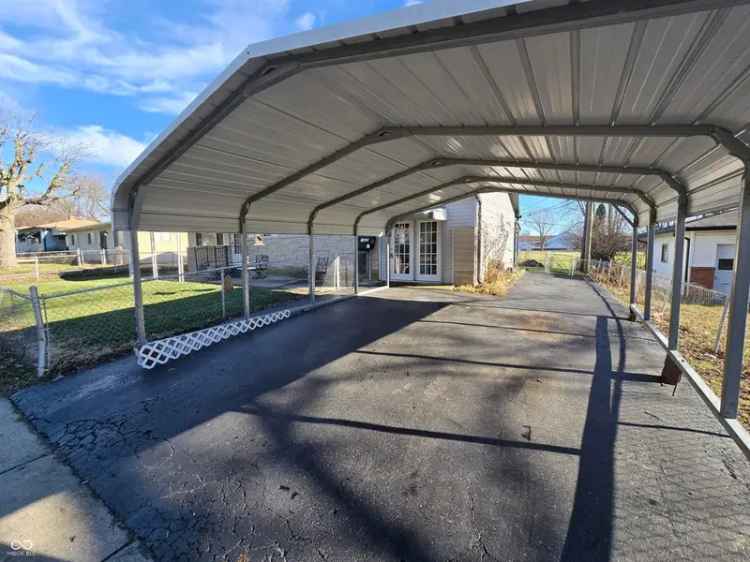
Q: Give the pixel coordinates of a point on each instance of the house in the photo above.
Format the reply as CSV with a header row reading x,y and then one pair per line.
x,y
47,237
91,239
454,243
709,250
442,245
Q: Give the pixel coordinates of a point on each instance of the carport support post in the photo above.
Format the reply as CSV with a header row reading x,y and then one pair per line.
x,y
677,272
356,260
311,265
135,259
634,266
388,257
588,223
649,265
738,303
244,273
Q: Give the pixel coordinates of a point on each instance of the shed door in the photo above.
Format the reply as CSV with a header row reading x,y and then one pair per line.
x,y
724,266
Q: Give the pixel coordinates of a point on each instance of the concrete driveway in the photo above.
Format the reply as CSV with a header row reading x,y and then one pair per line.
x,y
413,424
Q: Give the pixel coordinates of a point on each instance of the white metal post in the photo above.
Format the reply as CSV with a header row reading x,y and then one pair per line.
x,y
356,262
677,272
388,258
154,257
135,260
733,362
245,273
41,332
634,264
103,256
311,266
649,265
337,272
180,262
36,268
79,257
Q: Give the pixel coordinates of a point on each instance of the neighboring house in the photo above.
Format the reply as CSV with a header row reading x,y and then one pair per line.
x,y
47,237
709,250
93,238
454,243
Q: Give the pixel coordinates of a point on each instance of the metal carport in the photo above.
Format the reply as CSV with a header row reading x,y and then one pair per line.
x,y
338,130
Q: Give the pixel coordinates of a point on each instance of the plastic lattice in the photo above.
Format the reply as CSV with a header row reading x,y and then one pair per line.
x,y
158,352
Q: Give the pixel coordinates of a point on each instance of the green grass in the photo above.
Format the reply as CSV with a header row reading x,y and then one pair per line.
x,y
85,328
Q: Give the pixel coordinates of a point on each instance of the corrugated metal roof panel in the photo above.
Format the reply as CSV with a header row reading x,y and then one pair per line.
x,y
593,63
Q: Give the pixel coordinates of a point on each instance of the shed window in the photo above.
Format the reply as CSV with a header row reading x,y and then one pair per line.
x,y
665,253
89,238
72,239
726,264
219,239
198,239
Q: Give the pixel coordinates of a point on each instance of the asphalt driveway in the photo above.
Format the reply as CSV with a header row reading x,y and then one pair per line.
x,y
413,424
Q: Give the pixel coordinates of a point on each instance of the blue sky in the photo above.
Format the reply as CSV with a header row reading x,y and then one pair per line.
x,y
110,75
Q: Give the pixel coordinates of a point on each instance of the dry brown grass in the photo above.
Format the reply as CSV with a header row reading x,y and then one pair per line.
x,y
498,281
698,327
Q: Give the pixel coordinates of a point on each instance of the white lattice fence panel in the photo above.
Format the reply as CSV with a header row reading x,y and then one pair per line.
x,y
158,352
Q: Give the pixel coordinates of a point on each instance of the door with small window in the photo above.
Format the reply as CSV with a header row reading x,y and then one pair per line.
x,y
428,251
724,267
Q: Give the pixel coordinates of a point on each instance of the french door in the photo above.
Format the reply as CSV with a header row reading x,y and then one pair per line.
x,y
428,251
402,249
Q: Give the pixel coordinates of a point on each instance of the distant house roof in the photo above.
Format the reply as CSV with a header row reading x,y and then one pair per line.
x,y
721,221
93,226
63,226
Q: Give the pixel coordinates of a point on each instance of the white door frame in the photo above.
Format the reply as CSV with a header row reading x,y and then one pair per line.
x,y
398,276
436,277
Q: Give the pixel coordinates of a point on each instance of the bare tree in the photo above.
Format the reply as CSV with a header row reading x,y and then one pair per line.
x,y
608,234
542,223
32,172
91,198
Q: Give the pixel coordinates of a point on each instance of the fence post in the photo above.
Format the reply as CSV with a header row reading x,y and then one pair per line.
x,y
79,257
103,256
36,268
154,258
41,332
135,259
336,272
223,295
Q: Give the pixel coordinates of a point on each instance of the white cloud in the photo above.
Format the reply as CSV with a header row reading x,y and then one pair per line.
x,y
172,105
306,21
69,44
408,3
101,146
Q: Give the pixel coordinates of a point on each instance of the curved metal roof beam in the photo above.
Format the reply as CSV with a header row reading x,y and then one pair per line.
x,y
480,190
720,135
435,163
499,180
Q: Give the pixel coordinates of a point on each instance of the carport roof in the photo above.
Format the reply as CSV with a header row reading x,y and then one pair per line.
x,y
627,101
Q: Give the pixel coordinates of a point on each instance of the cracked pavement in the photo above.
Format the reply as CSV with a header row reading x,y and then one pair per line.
x,y
412,424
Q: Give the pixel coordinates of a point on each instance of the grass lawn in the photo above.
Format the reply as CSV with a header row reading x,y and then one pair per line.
x,y
85,328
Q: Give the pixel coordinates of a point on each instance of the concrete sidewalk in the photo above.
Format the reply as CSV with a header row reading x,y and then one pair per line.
x,y
46,513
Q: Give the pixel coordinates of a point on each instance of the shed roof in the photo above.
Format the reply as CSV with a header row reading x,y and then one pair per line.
x,y
616,100
66,225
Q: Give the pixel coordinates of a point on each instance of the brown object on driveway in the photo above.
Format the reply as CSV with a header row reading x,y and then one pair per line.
x,y
671,372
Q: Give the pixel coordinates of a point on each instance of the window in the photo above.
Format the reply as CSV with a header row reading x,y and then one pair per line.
x,y
72,239
198,239
236,241
665,253
726,264
219,239
89,238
